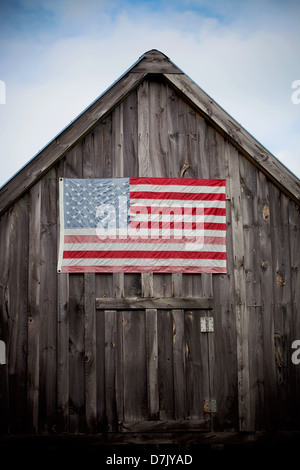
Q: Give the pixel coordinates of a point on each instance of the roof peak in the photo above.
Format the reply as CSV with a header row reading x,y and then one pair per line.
x,y
154,52
154,61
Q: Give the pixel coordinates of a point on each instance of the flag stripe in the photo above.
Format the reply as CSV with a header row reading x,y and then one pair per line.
x,y
141,269
178,210
177,196
143,247
176,188
145,262
137,224
95,239
83,254
159,203
176,181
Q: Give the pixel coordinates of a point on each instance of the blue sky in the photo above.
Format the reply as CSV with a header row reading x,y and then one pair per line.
x,y
58,56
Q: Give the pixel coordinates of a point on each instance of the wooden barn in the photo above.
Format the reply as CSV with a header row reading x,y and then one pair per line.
x,y
129,357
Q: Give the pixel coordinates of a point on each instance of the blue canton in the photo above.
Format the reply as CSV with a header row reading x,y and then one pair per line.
x,y
89,203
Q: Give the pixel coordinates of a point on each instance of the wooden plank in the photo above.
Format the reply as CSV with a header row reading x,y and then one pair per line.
x,y
89,156
212,158
152,149
240,293
129,284
147,284
48,304
156,112
132,287
266,269
101,366
173,166
131,128
89,164
249,203
245,143
4,319
179,364
76,354
165,364
16,309
117,150
73,163
205,169
143,129
294,232
222,342
110,318
134,366
138,303
103,145
56,149
90,369
173,130
152,363
120,369
279,204
197,366
176,162
63,369
34,281
165,426
71,166
162,285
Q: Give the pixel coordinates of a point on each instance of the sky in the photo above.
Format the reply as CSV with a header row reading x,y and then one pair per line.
x,y
58,56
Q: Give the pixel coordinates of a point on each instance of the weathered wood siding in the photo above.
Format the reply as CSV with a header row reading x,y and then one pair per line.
x,y
74,366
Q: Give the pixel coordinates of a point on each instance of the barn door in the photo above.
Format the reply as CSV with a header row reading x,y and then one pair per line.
x,y
156,364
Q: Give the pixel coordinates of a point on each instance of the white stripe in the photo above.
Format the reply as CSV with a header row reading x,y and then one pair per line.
x,y
171,188
157,232
178,203
144,262
142,247
177,218
164,233
144,232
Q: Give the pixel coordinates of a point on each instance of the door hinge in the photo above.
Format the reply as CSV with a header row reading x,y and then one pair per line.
x,y
207,324
209,405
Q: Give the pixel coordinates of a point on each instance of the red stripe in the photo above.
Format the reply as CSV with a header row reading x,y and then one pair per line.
x,y
143,269
213,226
144,254
133,239
177,196
187,210
133,224
166,210
166,225
214,211
177,181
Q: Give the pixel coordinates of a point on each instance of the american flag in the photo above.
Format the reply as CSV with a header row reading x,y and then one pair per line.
x,y
142,225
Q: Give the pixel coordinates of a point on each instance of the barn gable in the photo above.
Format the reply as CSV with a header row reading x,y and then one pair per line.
x,y
154,63
130,353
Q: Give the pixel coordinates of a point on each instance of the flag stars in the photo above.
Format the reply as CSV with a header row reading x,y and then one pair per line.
x,y
83,197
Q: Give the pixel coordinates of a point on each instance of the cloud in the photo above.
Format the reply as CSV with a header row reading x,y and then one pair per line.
x,y
246,64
